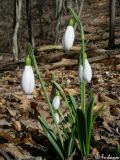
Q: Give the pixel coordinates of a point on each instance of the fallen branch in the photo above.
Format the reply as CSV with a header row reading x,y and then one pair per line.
x,y
55,47
70,62
58,60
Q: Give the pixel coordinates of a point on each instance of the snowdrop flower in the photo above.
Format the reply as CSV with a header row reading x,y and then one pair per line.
x,y
87,73
80,72
69,36
57,118
28,80
56,102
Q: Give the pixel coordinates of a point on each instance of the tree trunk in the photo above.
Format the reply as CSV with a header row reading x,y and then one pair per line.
x,y
59,5
17,16
112,24
29,22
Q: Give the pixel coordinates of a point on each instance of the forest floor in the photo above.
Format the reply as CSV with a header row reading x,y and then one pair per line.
x,y
20,132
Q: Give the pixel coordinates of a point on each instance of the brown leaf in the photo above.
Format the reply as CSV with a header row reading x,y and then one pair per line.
x,y
15,151
4,122
17,125
95,152
12,112
118,67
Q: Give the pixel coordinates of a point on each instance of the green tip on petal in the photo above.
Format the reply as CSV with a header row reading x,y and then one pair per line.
x,y
85,55
28,60
71,22
57,93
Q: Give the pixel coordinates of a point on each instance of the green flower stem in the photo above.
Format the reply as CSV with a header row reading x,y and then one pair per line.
x,y
81,34
83,56
45,93
83,98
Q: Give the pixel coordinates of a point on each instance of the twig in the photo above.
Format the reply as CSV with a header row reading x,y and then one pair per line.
x,y
79,13
5,155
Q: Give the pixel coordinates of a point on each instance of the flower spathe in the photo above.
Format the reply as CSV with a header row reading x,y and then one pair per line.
x,y
57,118
56,102
28,80
68,38
85,73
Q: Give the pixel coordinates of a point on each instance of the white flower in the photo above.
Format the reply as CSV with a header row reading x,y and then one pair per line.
x,y
57,118
68,38
87,73
28,80
56,102
80,72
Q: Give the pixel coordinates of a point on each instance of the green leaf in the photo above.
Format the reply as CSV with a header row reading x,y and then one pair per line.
x,y
71,142
51,136
81,130
45,123
73,104
59,88
89,124
118,151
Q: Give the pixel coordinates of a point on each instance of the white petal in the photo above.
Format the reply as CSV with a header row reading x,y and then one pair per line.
x,y
87,72
56,102
68,38
80,73
57,118
28,80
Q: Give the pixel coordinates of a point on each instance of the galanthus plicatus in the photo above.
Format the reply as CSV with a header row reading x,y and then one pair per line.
x,y
28,80
69,36
56,102
80,72
85,73
57,118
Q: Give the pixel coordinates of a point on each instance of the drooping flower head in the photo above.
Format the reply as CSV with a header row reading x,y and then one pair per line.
x,y
69,36
56,101
85,73
57,118
28,80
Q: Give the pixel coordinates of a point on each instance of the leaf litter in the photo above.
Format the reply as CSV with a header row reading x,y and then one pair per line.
x,y
22,137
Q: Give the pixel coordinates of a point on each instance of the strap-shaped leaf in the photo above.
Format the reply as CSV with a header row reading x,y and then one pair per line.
x,y
81,130
73,104
71,142
89,124
51,136
45,124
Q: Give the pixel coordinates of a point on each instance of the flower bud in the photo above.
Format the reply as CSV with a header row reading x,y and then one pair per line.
x,y
87,73
68,38
56,102
80,72
28,80
57,118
